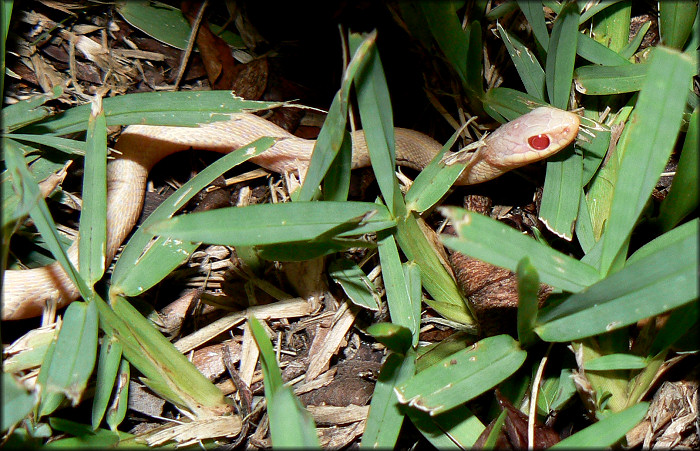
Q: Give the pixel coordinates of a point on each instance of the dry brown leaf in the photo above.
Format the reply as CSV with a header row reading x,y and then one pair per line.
x,y
194,431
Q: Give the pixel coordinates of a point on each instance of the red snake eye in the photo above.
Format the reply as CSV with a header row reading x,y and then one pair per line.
x,y
538,142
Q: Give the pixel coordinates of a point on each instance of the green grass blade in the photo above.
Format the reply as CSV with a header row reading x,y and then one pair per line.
x,y
93,216
607,431
412,14
377,121
680,233
428,191
398,297
333,137
597,53
325,244
434,180
167,24
107,368
84,436
595,80
17,204
69,146
290,424
73,359
694,40
24,184
616,362
411,273
336,184
5,15
432,354
562,191
462,376
505,104
354,282
584,226
678,324
17,403
631,48
595,9
181,108
629,295
676,22
117,412
610,386
534,13
165,370
683,197
328,144
38,342
438,282
600,188
594,150
642,380
498,11
493,242
528,288
561,55
457,429
48,402
447,31
140,267
263,224
492,439
653,128
396,338
612,27
529,69
556,391
385,417
27,111
474,80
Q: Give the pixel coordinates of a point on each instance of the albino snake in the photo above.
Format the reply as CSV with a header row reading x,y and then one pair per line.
x,y
534,136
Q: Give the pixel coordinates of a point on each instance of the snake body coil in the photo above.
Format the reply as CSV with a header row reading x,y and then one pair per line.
x,y
532,137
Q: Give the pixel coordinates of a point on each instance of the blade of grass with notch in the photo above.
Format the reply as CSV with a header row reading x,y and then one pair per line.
x,y
657,282
493,242
462,376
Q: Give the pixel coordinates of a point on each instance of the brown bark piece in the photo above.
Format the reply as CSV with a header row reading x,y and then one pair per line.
x,y
492,291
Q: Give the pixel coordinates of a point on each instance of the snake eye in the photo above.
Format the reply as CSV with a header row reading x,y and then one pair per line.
x,y
538,142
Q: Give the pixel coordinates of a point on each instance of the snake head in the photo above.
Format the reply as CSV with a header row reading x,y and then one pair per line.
x,y
534,136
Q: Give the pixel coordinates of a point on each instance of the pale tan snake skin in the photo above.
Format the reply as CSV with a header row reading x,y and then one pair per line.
x,y
27,292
